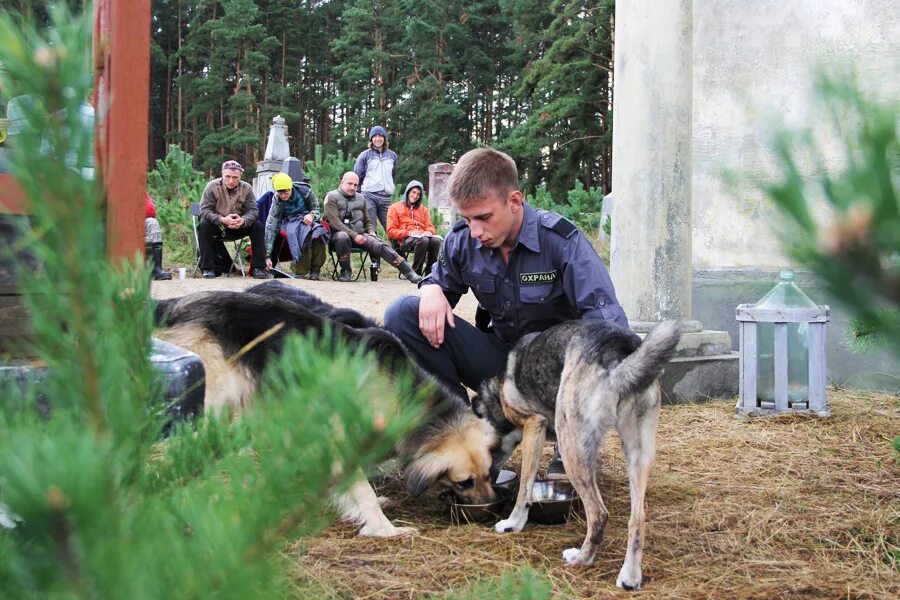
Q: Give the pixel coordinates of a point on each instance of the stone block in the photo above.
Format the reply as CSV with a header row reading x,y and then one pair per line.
x,y
438,177
703,343
700,378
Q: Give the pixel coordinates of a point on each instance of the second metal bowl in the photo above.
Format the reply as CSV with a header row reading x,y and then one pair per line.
x,y
552,502
472,513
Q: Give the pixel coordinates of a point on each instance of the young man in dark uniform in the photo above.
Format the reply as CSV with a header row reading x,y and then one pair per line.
x,y
529,269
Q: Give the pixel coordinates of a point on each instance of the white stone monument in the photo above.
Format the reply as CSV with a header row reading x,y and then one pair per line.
x,y
277,150
277,146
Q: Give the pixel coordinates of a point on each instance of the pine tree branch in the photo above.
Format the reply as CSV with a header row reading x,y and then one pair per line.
x,y
579,139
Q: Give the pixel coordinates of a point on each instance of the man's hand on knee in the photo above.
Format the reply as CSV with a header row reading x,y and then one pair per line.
x,y
434,312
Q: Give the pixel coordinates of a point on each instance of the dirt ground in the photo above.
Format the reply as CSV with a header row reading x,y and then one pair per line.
x,y
783,508
370,298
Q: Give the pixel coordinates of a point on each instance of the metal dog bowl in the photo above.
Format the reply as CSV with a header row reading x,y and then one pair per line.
x,y
461,513
552,502
507,479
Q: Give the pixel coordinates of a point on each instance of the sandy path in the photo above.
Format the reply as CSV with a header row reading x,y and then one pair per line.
x,y
365,296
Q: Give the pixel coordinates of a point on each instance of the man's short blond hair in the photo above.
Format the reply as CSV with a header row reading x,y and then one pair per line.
x,y
480,173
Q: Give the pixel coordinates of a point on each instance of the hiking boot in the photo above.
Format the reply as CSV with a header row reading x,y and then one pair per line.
x,y
209,274
299,269
407,272
346,269
155,252
261,274
556,470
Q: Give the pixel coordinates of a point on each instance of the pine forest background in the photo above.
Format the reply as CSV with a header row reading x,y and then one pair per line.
x,y
530,77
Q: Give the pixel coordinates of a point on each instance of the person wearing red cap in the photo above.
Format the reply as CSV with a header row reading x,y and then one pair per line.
x,y
228,212
153,240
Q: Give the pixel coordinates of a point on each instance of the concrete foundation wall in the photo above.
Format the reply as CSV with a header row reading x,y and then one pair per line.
x,y
752,69
716,294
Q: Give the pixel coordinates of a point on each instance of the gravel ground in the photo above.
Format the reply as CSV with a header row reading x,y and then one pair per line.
x,y
369,298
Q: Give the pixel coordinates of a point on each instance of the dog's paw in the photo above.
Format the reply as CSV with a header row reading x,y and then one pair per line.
x,y
629,579
508,526
573,557
386,531
404,531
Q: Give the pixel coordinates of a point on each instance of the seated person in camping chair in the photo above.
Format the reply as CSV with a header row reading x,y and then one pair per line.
x,y
410,228
348,218
228,212
296,212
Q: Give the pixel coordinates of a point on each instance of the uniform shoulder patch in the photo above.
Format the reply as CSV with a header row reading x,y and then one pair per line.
x,y
558,223
460,224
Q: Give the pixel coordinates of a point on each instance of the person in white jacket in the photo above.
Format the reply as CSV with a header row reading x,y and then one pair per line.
x,y
376,168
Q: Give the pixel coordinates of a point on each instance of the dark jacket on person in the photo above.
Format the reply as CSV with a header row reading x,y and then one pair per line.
x,y
347,213
302,201
218,201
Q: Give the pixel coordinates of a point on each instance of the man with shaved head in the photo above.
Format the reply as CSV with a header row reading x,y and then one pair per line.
x,y
351,227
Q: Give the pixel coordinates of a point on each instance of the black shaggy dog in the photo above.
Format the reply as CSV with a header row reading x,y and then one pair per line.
x,y
452,449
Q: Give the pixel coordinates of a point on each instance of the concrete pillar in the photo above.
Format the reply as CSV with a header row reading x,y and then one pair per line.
x,y
651,173
651,259
438,178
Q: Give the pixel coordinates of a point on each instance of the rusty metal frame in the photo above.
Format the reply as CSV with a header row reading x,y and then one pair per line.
x,y
122,85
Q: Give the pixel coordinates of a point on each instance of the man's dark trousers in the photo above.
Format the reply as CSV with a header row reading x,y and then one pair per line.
x,y
210,235
468,355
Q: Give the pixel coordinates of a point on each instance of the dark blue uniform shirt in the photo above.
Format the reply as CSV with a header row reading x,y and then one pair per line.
x,y
553,275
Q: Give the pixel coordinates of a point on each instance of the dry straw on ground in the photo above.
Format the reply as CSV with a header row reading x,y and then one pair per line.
x,y
788,507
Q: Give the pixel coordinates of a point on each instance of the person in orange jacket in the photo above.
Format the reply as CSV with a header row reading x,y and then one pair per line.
x,y
409,226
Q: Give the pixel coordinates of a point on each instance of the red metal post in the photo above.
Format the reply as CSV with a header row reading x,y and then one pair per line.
x,y
122,60
11,201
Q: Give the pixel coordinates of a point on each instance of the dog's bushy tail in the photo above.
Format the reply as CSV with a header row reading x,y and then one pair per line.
x,y
643,366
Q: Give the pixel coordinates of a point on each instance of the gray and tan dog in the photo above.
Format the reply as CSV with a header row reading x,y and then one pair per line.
x,y
578,380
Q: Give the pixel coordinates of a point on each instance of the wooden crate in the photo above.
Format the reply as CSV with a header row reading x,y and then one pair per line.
x,y
748,317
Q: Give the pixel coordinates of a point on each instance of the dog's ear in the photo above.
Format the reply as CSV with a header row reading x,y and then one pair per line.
x,y
420,476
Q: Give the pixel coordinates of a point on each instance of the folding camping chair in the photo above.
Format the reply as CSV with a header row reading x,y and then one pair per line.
x,y
363,260
237,245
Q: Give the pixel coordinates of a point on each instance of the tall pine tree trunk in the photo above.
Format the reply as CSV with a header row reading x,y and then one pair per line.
x,y
167,127
180,73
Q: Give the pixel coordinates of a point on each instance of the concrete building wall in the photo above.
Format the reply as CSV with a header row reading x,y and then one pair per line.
x,y
753,66
753,72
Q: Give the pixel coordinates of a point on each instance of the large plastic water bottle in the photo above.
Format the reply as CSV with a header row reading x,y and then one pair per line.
x,y
784,295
